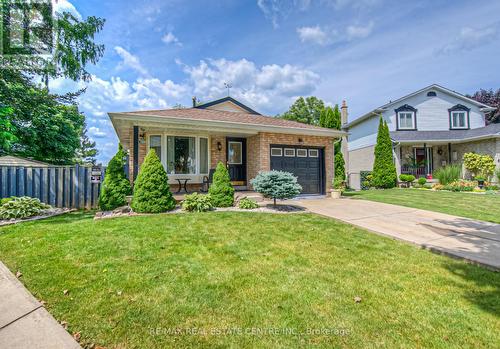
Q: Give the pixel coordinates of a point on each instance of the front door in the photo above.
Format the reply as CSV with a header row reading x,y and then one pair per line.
x,y
237,160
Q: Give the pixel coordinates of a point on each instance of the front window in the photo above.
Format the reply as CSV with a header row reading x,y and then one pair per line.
x,y
406,120
203,155
459,119
181,155
155,144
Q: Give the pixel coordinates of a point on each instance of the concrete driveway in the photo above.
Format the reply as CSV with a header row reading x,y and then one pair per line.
x,y
475,241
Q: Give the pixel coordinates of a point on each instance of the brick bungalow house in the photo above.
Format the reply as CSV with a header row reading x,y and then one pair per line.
x,y
191,141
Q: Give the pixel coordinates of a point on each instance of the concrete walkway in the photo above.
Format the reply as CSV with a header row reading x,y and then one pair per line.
x,y
24,322
475,241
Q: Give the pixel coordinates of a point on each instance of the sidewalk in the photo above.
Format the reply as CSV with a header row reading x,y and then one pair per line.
x,y
472,240
24,322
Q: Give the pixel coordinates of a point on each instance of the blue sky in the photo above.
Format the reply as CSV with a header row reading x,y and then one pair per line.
x,y
160,53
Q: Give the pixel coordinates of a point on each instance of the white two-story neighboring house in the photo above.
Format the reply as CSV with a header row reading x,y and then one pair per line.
x,y
430,128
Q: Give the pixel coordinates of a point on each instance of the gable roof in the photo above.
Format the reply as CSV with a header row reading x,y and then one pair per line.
x,y
222,116
227,99
381,109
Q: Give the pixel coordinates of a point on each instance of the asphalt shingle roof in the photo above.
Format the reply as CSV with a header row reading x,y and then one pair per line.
x,y
447,136
216,115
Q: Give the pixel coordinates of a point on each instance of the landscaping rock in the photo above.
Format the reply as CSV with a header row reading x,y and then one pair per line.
x,y
51,212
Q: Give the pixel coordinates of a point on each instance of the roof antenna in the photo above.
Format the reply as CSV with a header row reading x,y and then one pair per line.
x,y
228,85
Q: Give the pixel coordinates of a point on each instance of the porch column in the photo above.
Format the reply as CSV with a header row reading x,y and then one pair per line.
x,y
426,160
449,153
135,142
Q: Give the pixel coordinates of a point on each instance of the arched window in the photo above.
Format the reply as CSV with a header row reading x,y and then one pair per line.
x,y
431,94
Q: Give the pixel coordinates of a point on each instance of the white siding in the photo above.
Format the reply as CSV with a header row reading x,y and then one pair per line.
x,y
363,134
432,115
432,112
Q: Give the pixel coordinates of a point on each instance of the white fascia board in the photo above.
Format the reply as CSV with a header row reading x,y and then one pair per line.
x,y
227,126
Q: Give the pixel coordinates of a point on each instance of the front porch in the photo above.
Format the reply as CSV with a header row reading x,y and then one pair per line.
x,y
421,160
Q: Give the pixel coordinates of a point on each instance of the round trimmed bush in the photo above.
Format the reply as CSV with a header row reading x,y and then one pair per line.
x,y
221,191
151,190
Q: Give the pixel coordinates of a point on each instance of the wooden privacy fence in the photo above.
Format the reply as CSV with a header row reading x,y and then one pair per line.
x,y
59,186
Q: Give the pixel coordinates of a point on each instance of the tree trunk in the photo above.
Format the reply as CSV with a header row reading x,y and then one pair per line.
x,y
274,202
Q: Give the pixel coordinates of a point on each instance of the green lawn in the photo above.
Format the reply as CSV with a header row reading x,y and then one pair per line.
x,y
249,280
485,207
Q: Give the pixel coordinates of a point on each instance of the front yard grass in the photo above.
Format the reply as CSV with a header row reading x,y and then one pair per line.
x,y
485,207
247,280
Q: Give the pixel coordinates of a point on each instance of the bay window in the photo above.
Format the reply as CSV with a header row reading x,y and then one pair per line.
x,y
181,155
155,144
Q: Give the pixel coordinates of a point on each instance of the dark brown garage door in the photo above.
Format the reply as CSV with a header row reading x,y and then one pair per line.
x,y
305,163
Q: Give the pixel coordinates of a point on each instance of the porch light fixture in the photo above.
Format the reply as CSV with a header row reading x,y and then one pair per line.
x,y
219,146
142,138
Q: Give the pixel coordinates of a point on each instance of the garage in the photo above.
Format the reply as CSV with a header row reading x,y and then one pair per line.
x,y
306,163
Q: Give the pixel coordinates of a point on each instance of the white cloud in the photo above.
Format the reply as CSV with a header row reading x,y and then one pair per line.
x,y
355,4
103,96
170,38
359,31
65,6
471,38
95,132
131,61
323,36
312,34
269,87
275,10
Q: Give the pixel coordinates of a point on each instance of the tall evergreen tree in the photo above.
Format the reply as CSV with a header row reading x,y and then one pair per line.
x,y
87,152
116,185
384,170
331,119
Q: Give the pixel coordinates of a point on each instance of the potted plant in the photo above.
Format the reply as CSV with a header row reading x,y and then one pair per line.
x,y
480,181
338,188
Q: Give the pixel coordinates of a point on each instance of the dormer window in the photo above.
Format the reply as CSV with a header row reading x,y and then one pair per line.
x,y
459,117
406,118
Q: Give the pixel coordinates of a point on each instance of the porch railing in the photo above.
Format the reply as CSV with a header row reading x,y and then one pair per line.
x,y
416,171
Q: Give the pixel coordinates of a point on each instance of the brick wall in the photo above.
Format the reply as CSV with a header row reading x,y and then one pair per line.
x,y
259,157
258,151
215,154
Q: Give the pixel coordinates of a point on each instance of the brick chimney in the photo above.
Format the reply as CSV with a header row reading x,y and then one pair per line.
x,y
343,113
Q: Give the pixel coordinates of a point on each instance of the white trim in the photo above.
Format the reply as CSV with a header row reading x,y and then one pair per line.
x,y
289,156
301,156
274,148
241,153
196,177
314,150
466,121
412,120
